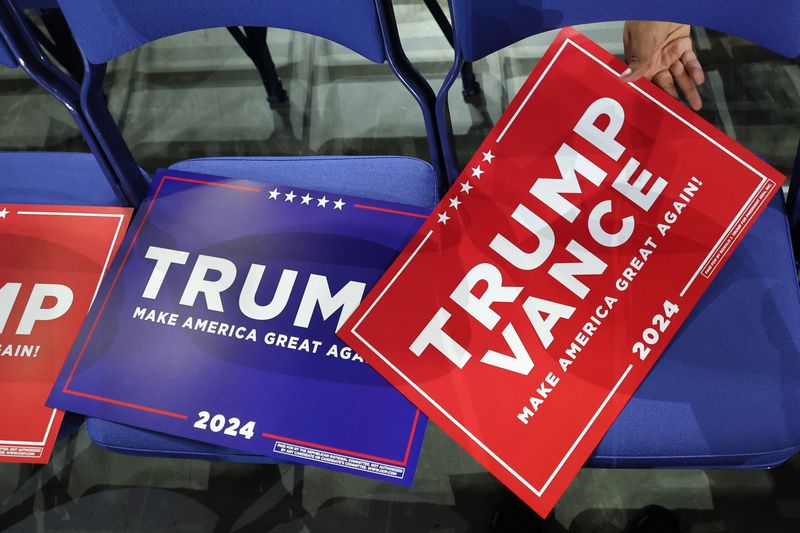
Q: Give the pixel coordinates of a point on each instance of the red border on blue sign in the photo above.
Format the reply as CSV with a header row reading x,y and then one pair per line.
x,y
180,416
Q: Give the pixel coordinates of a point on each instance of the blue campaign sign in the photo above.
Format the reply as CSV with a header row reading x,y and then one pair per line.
x,y
217,323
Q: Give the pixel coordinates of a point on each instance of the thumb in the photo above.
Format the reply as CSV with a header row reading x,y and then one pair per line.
x,y
636,69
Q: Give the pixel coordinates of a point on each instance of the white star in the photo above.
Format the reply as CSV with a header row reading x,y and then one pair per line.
x,y
322,202
338,204
466,187
305,199
476,172
455,202
273,194
290,196
488,156
443,218
3,213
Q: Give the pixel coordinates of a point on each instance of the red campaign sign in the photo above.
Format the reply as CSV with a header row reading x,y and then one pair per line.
x,y
53,260
530,306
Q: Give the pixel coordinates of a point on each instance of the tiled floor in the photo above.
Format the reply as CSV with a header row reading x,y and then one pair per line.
x,y
198,95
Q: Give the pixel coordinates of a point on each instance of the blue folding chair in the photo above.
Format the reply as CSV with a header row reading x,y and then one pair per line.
x,y
29,177
71,179
484,27
726,391
106,29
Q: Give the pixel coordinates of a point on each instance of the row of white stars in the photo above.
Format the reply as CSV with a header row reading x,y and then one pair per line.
x,y
275,194
466,187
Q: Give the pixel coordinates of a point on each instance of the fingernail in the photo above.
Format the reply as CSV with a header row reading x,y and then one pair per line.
x,y
625,73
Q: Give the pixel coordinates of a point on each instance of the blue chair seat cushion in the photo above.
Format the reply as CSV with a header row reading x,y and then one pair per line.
x,y
726,391
54,178
396,179
129,440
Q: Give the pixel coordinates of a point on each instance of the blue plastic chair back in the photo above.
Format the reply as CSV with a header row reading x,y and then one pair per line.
x,y
106,29
483,27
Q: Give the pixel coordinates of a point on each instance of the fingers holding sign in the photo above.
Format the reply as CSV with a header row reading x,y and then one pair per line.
x,y
662,52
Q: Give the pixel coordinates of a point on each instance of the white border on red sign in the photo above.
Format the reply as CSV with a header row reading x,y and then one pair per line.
x,y
539,492
97,288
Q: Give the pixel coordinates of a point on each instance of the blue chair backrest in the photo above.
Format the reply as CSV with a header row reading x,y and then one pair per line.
x,y
106,29
483,27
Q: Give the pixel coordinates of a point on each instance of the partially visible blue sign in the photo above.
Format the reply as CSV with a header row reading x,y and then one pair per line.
x,y
217,323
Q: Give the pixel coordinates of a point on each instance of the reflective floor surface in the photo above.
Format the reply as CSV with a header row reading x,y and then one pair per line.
x,y
198,95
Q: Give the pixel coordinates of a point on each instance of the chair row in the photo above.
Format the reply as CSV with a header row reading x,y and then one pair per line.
x,y
725,393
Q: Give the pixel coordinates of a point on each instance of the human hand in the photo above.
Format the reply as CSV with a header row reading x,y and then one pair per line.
x,y
662,52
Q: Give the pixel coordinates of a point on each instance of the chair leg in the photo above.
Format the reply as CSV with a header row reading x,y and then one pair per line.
x,y
65,50
470,88
444,125
416,85
57,44
253,40
109,137
793,205
39,66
